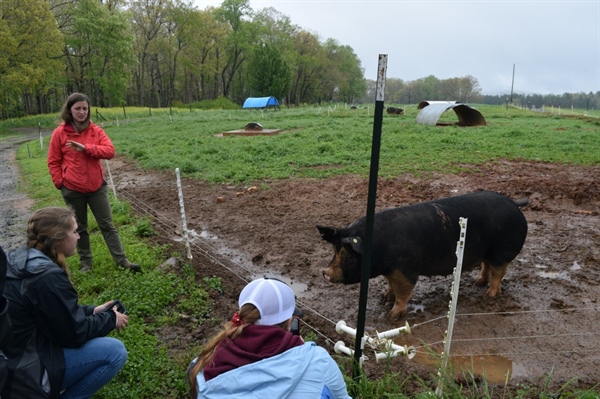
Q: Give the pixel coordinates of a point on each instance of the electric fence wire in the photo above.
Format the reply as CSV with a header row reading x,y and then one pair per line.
x,y
167,226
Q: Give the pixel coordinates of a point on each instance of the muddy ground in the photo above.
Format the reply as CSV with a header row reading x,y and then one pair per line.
x,y
545,321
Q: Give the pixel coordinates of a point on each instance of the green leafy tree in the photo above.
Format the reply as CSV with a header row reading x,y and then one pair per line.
x,y
238,41
469,89
29,51
352,84
393,90
278,31
148,23
98,52
308,67
180,27
200,77
269,74
344,77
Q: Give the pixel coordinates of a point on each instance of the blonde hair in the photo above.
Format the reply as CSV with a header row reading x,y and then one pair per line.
x,y
47,227
248,314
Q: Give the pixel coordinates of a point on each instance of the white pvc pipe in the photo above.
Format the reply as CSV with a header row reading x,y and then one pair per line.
x,y
391,349
341,326
394,332
183,219
340,347
409,352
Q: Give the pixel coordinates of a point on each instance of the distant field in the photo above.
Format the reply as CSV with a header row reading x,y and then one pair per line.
x,y
332,140
326,141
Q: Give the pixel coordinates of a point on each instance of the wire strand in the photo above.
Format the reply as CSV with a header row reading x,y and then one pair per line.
x,y
203,248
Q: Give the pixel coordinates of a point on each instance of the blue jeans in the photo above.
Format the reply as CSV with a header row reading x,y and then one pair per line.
x,y
89,368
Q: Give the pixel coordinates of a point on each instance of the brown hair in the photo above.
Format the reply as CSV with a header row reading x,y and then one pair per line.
x,y
47,227
65,112
248,314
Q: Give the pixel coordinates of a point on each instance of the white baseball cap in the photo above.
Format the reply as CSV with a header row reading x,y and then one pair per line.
x,y
274,300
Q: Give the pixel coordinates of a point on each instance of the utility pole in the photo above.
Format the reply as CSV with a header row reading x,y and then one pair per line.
x,y
512,85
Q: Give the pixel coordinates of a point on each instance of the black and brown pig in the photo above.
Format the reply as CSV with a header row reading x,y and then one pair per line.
x,y
420,240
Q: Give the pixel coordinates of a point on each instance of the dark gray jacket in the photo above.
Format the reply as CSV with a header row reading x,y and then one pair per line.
x,y
5,326
45,318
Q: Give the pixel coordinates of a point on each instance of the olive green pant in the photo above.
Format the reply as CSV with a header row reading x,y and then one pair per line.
x,y
100,207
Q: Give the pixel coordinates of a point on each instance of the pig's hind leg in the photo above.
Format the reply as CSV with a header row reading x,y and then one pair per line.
x,y
493,276
399,290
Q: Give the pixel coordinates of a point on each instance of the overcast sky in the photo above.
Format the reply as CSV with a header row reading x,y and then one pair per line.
x,y
553,45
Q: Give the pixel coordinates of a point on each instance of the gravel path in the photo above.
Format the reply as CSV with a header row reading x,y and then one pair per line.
x,y
15,207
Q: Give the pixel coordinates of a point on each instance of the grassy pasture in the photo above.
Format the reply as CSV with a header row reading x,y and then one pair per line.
x,y
325,141
315,142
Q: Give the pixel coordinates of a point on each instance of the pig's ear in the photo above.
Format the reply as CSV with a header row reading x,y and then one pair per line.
x,y
355,243
329,234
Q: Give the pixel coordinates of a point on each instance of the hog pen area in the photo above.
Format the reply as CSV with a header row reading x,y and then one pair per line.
x,y
543,323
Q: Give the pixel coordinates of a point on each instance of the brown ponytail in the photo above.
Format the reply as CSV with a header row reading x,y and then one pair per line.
x,y
47,228
248,314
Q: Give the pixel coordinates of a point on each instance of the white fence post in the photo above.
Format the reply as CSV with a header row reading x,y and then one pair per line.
x,y
183,219
112,184
460,247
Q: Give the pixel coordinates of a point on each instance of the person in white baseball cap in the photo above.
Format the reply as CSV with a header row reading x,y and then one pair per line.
x,y
256,355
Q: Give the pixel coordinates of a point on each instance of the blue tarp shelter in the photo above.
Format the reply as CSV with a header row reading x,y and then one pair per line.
x,y
261,102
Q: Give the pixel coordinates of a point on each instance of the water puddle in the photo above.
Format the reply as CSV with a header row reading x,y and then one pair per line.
x,y
297,287
240,259
562,274
415,308
496,369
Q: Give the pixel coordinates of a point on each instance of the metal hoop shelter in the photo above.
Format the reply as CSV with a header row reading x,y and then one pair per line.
x,y
432,110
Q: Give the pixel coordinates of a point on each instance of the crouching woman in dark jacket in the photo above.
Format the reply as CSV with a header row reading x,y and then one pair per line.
x,y
5,326
59,348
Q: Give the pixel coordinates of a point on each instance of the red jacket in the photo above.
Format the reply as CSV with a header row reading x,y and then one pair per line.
x,y
76,170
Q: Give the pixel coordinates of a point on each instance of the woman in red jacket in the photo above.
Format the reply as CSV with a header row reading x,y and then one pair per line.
x,y
76,148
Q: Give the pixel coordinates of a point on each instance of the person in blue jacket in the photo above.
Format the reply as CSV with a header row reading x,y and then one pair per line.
x,y
256,355
58,347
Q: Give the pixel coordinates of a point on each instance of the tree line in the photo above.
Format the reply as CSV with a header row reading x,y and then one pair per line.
x,y
162,53
159,53
467,90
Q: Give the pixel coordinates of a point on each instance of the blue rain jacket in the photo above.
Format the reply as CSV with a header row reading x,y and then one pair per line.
x,y
303,372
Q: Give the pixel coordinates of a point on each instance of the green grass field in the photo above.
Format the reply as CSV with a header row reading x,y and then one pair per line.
x,y
325,141
315,142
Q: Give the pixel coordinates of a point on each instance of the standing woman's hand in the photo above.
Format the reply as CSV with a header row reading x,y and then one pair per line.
x,y
75,146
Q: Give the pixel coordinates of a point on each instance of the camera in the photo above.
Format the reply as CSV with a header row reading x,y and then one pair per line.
x,y
296,316
120,307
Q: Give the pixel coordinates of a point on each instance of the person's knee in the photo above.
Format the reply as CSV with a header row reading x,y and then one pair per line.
x,y
118,352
